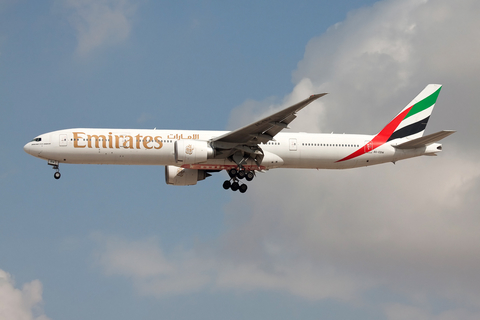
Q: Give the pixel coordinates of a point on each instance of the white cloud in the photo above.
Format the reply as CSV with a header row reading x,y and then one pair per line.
x,y
152,272
405,312
99,22
303,278
410,229
20,304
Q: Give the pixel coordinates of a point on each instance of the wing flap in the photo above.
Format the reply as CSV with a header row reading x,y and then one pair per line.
x,y
426,140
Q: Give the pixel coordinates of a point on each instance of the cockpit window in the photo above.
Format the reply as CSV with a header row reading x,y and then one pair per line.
x,y
37,139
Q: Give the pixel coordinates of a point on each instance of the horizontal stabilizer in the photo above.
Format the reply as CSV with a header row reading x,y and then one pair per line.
x,y
425,141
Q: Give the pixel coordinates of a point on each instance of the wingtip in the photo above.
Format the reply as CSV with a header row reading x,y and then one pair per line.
x,y
317,95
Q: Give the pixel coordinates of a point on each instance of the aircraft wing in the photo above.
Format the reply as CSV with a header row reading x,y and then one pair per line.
x,y
263,130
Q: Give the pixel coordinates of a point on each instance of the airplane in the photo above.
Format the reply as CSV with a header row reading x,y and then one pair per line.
x,y
190,156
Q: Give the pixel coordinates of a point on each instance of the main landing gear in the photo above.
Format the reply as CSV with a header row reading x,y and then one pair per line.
x,y
237,174
54,165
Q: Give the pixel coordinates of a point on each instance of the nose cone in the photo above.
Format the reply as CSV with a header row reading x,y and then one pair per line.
x,y
28,148
32,150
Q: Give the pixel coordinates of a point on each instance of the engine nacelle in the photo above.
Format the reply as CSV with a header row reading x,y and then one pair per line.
x,y
183,177
192,151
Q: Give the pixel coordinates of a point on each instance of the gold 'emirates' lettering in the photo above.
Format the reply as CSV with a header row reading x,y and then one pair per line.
x,y
83,140
76,140
158,140
146,141
90,137
137,139
128,143
117,141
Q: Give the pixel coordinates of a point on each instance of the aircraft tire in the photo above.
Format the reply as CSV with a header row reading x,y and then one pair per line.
x,y
243,188
235,186
57,175
241,174
250,175
227,185
232,173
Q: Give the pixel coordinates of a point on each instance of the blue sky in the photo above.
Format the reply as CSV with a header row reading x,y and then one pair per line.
x,y
115,242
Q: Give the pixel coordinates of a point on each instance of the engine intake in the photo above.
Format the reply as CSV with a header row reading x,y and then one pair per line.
x,y
183,177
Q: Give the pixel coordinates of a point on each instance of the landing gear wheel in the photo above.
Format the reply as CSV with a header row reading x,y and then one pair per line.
x,y
250,175
227,185
57,175
235,186
241,174
243,188
232,173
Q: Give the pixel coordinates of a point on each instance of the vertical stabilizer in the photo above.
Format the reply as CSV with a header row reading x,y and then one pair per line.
x,y
409,123
414,117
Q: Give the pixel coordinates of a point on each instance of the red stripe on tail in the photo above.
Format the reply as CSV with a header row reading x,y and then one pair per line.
x,y
381,137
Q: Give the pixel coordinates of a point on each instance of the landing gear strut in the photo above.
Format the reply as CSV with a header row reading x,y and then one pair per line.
x,y
54,165
237,174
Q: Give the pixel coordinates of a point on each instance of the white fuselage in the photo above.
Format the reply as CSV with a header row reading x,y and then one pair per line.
x,y
156,147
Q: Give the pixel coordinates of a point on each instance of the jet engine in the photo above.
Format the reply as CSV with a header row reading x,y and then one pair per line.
x,y
192,151
183,177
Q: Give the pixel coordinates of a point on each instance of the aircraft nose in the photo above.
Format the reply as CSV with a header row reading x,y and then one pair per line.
x,y
27,148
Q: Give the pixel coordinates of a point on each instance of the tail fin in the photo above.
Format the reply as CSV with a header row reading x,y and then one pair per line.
x,y
412,120
409,123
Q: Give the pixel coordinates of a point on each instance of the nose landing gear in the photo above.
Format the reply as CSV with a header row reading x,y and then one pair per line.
x,y
237,174
54,165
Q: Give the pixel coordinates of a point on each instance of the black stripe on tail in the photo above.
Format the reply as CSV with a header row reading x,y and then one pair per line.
x,y
410,129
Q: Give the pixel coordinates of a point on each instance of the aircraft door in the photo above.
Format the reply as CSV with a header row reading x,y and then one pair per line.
x,y
293,144
368,146
63,140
